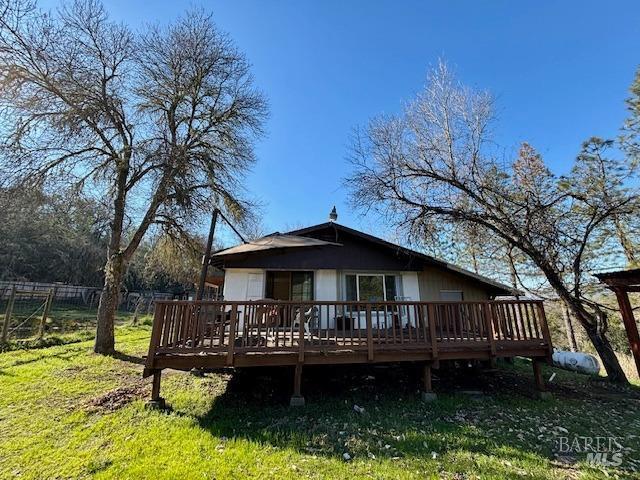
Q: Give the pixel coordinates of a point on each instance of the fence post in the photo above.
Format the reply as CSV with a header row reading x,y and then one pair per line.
x,y
136,312
45,313
7,314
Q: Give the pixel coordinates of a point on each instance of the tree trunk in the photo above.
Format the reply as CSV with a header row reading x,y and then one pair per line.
x,y
114,269
599,341
591,324
117,257
607,355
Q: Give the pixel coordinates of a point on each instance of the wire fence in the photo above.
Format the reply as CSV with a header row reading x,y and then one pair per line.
x,y
37,309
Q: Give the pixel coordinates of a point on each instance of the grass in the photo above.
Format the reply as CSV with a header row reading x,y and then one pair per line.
x,y
65,324
68,413
628,364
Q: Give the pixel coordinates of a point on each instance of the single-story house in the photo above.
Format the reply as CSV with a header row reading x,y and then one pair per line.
x,y
329,294
332,262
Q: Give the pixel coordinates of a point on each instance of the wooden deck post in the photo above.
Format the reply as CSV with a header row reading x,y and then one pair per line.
x,y
156,402
297,400
427,394
629,324
541,387
488,318
545,331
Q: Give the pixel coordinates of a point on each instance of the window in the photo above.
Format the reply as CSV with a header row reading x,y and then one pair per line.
x,y
451,295
390,289
302,286
351,284
278,285
289,286
370,288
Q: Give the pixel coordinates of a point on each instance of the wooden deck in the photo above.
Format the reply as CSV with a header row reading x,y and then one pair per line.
x,y
214,335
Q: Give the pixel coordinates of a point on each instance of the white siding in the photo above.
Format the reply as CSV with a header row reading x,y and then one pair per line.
x,y
326,289
410,286
411,293
243,284
326,284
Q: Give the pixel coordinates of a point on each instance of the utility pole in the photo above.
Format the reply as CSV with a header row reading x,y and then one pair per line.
x,y
207,255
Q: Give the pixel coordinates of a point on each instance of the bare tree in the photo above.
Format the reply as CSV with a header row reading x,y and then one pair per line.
x,y
436,165
162,123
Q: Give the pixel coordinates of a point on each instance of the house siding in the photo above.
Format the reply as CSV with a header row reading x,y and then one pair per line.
x,y
243,284
326,284
326,289
248,284
433,280
410,286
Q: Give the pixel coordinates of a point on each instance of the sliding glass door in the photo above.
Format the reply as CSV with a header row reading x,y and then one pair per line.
x,y
297,286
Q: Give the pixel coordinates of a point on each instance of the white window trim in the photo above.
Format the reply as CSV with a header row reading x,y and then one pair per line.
x,y
397,278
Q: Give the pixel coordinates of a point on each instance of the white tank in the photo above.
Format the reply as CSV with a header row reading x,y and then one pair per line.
x,y
576,361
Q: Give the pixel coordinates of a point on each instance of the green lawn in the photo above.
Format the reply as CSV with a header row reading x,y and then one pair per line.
x,y
65,324
67,413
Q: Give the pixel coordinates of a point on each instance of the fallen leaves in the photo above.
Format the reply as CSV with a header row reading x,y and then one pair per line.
x,y
118,398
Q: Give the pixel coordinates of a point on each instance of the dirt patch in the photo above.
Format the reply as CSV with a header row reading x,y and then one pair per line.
x,y
118,398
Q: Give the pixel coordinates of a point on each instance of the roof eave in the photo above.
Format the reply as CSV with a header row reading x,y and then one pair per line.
x,y
496,286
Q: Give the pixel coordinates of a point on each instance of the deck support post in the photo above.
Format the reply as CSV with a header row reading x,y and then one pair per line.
x,y
156,402
629,323
427,394
297,400
541,387
489,315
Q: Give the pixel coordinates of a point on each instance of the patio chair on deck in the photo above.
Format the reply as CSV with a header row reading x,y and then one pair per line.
x,y
310,317
261,325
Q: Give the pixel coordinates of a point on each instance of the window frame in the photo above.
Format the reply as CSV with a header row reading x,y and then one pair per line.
x,y
290,273
384,276
461,292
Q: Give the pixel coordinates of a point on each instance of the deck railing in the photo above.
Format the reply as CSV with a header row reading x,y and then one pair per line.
x,y
182,327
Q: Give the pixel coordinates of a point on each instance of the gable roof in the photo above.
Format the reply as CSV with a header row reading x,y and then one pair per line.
x,y
324,238
427,259
271,242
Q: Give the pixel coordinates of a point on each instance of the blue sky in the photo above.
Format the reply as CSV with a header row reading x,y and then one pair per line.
x,y
560,71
